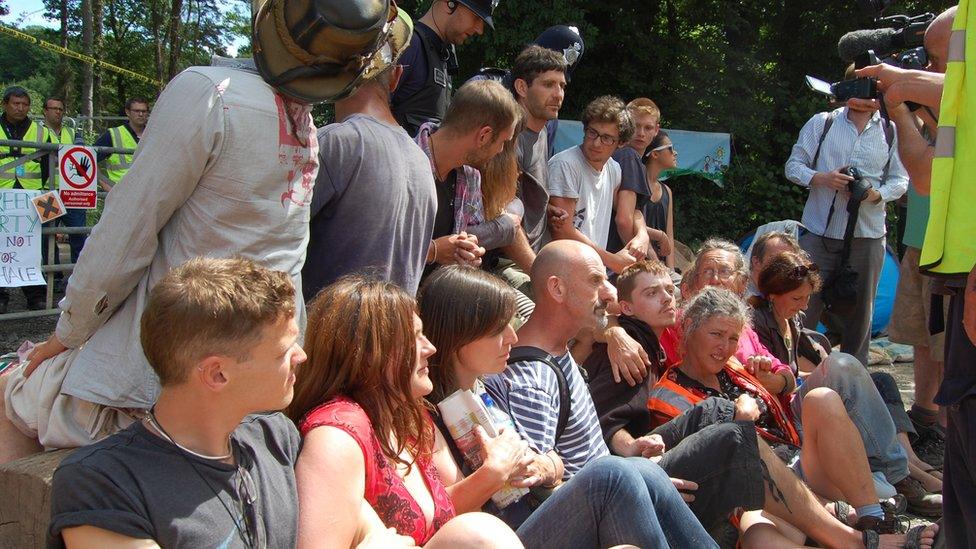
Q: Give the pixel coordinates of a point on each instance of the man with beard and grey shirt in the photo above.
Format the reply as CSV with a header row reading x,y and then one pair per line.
x,y
539,83
374,202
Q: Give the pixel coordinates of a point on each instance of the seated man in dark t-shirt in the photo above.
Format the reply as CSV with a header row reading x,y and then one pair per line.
x,y
199,470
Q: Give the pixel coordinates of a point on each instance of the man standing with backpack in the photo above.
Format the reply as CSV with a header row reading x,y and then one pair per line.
x,y
830,143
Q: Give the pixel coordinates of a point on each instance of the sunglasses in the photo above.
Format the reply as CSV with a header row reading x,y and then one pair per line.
x,y
666,147
802,271
247,495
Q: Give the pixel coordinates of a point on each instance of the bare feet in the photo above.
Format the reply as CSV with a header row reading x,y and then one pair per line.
x,y
896,541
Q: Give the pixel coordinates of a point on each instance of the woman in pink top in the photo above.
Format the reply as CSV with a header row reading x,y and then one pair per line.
x,y
368,436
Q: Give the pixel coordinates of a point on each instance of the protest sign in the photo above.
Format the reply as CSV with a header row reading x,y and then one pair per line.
x,y
20,239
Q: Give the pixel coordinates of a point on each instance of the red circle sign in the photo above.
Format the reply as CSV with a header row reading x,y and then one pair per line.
x,y
78,167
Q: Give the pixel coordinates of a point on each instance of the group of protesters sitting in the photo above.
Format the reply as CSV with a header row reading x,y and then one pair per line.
x,y
718,438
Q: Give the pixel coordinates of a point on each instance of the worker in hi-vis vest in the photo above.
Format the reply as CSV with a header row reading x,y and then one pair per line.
x,y
15,171
114,166
57,133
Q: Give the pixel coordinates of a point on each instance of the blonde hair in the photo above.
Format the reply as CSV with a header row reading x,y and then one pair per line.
x,y
481,103
499,178
210,307
642,106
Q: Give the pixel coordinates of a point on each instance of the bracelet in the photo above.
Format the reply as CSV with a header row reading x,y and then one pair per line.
x,y
555,471
433,256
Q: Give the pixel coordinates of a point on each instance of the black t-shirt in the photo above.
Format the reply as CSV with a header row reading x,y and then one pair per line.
x,y
444,219
139,485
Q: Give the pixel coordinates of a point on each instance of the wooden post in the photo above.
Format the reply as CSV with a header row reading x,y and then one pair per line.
x,y
25,505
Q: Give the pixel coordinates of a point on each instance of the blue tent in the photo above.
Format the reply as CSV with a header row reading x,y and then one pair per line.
x,y
884,302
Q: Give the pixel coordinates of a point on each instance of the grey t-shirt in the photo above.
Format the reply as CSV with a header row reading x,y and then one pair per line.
x,y
533,162
373,207
136,484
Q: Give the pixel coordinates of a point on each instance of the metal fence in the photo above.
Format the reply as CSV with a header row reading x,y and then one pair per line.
x,y
49,268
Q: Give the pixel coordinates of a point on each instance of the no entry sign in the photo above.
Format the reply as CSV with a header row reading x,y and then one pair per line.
x,y
78,182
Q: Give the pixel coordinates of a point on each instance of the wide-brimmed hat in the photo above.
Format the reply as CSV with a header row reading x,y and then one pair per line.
x,y
323,50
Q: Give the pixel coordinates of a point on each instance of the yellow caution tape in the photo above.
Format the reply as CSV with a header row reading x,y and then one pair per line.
x,y
75,55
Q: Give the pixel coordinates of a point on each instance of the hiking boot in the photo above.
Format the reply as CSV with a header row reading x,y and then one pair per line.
x,y
929,445
920,501
890,524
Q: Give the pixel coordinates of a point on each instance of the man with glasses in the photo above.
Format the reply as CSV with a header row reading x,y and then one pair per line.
x,y
126,136
56,132
584,180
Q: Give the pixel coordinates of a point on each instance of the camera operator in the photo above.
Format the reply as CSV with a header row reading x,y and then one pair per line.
x,y
948,252
909,320
829,143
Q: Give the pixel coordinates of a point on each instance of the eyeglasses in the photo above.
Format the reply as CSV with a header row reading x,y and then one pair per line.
x,y
665,147
801,271
605,139
247,494
139,111
723,273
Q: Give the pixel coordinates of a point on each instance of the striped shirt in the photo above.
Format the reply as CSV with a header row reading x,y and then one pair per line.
x,y
844,146
529,393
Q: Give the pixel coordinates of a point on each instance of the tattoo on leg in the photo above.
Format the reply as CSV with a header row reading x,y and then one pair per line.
x,y
774,490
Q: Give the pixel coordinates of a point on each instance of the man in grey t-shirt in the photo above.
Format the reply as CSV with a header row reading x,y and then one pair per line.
x,y
374,203
197,472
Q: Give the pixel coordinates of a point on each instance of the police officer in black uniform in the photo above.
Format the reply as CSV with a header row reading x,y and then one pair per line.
x,y
430,63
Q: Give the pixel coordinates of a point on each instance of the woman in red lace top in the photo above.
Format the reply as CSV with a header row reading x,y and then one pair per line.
x,y
368,437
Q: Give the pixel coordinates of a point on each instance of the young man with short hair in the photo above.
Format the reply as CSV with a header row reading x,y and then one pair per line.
x,y
203,468
479,122
585,179
636,192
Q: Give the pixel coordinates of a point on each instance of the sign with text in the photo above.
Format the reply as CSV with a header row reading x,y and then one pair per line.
x,y
79,176
20,239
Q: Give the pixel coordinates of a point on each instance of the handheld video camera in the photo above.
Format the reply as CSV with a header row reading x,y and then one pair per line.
x,y
856,88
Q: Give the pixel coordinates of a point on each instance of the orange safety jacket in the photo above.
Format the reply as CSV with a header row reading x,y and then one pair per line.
x,y
667,400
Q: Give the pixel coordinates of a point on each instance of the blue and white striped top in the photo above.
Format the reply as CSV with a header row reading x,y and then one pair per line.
x,y
529,392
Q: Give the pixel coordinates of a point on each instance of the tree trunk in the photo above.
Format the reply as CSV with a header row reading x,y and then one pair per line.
x,y
154,18
86,69
175,28
98,47
64,86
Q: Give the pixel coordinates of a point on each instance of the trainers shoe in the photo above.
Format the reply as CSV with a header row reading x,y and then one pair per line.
x,y
929,445
920,502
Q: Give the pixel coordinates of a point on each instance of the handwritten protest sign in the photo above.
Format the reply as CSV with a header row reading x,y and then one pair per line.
x,y
20,239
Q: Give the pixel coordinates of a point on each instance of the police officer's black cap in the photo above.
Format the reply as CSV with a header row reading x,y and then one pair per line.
x,y
483,9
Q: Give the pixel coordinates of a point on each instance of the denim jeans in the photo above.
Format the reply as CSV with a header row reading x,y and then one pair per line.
x,y
615,501
844,374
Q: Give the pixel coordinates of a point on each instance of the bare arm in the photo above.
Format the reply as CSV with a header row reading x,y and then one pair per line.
x,y
90,537
915,153
520,251
624,218
331,517
566,230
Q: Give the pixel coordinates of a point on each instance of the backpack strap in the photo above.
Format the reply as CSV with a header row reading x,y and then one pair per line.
x,y
823,135
535,354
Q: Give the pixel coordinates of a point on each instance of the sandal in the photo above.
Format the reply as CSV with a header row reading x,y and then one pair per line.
x,y
842,512
913,538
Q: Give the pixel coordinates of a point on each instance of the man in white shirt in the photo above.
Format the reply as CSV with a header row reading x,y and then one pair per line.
x,y
855,137
584,180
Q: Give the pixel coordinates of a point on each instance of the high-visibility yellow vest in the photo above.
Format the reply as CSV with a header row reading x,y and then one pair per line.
x,y
117,165
65,137
28,173
950,237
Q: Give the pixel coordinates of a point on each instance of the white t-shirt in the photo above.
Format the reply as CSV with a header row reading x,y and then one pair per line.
x,y
570,176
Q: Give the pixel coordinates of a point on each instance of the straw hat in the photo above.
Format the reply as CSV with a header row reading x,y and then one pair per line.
x,y
323,50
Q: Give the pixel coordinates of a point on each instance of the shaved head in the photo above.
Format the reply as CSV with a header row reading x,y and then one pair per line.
x,y
937,39
559,258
